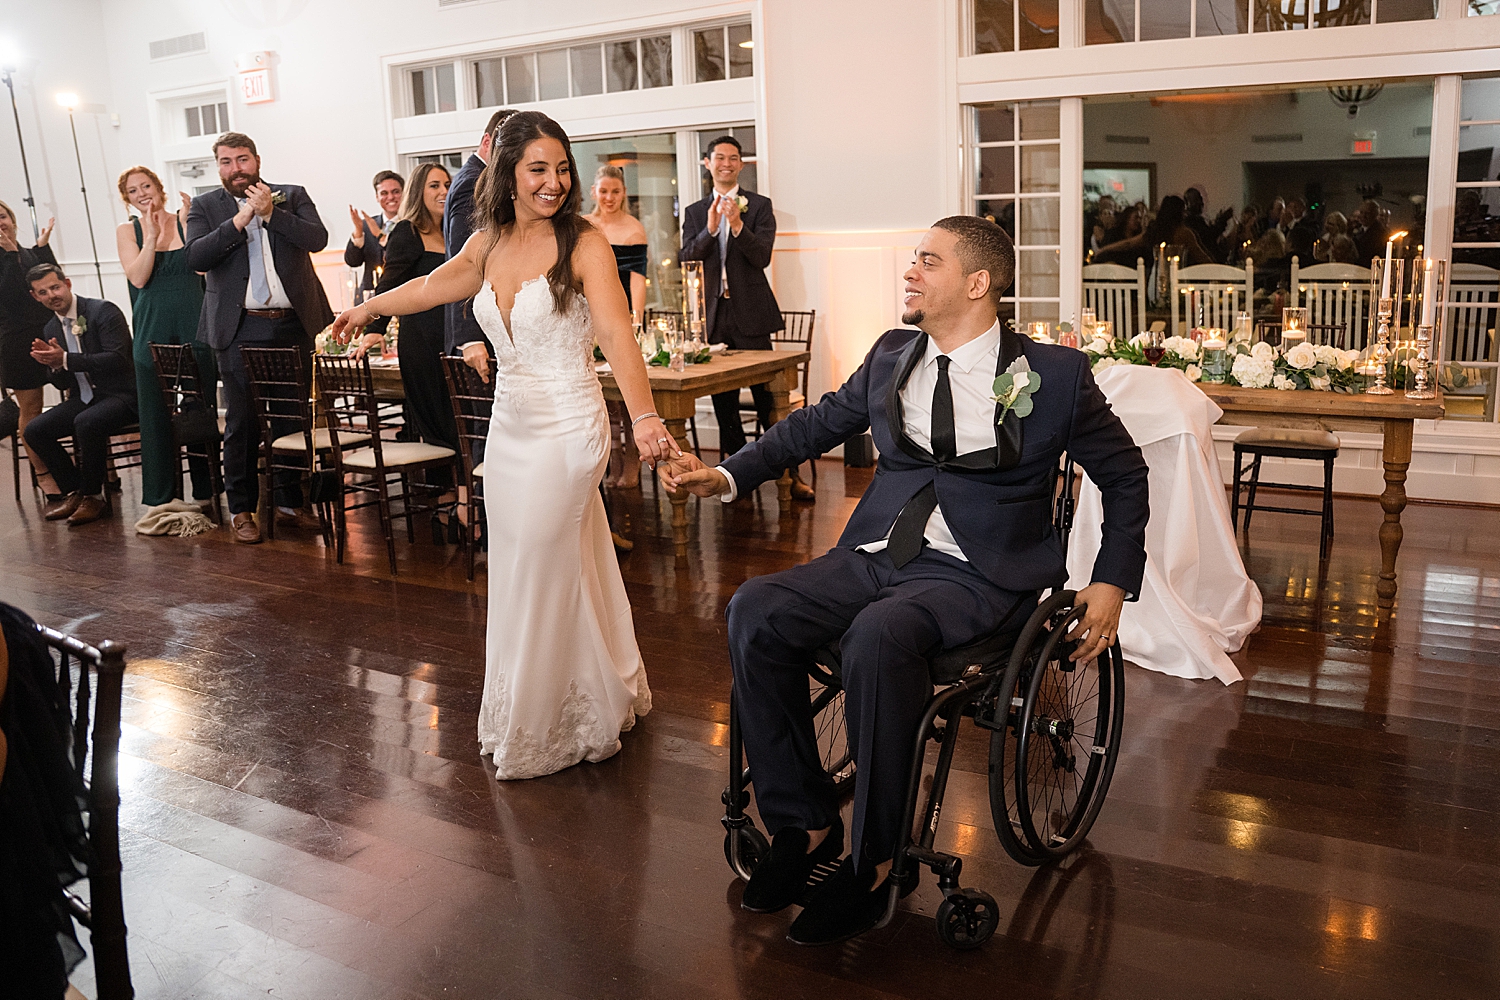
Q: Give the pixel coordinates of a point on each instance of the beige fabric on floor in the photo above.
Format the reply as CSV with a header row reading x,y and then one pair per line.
x,y
176,517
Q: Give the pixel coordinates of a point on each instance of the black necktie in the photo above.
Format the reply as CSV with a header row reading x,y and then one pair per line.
x,y
944,437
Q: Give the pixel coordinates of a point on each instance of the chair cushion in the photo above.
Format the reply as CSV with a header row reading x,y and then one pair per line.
x,y
321,440
397,453
479,470
1285,437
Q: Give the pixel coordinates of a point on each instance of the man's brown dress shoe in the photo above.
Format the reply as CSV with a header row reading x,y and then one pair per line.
x,y
62,507
88,509
246,530
300,517
802,491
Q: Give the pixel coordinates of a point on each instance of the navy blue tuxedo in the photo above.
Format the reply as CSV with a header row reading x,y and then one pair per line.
x,y
459,325
889,620
1000,516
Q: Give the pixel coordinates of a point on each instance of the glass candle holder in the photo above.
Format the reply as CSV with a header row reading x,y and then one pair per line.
x,y
694,302
1039,330
1215,357
1293,327
1244,329
1429,292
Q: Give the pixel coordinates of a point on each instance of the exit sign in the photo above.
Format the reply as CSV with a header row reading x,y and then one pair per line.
x,y
1363,144
255,86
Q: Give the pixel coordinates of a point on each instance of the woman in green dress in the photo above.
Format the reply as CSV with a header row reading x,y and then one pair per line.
x,y
166,297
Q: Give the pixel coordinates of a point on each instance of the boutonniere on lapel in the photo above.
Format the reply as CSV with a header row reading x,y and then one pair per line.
x,y
278,197
741,202
1014,387
79,325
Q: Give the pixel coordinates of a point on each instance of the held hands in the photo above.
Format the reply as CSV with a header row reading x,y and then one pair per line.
x,y
48,352
689,473
654,443
731,211
477,358
45,236
1100,622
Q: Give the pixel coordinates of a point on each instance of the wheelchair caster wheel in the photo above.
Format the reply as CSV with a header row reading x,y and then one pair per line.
x,y
744,848
967,919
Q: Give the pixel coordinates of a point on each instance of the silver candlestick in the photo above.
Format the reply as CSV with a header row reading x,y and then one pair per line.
x,y
1420,388
1382,353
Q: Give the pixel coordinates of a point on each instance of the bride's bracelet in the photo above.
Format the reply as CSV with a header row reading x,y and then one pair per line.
x,y
643,416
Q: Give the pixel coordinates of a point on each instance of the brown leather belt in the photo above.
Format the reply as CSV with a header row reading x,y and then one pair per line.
x,y
271,313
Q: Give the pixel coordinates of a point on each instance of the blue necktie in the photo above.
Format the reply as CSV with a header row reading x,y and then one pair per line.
x,y
85,390
723,248
255,233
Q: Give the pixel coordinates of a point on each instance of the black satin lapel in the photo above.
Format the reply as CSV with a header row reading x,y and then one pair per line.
x,y
906,363
1009,435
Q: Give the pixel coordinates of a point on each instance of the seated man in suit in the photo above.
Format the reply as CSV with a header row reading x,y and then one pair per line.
x,y
952,538
87,348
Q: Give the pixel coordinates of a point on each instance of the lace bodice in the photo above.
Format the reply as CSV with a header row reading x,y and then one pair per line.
x,y
548,346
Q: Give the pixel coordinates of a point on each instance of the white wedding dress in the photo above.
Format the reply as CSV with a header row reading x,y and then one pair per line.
x,y
563,676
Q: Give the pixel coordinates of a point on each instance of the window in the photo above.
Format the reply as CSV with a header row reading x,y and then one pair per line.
x,y
451,161
207,119
577,71
432,89
746,135
1015,160
724,52
1476,8
650,166
1470,349
1148,20
1011,25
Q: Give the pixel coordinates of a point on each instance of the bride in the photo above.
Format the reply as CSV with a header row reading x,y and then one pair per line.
x,y
563,676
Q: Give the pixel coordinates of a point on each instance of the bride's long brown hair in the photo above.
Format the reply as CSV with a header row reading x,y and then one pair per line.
x,y
495,196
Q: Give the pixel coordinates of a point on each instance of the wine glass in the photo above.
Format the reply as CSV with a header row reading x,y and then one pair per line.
x,y
1155,348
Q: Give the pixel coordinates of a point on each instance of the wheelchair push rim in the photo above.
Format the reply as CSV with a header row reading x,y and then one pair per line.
x,y
1067,742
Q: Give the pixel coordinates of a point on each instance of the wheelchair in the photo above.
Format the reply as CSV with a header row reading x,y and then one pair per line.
x,y
1054,729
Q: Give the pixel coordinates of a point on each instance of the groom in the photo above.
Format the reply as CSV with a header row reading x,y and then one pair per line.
x,y
952,537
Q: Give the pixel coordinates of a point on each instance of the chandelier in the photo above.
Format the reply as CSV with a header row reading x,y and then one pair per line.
x,y
1352,95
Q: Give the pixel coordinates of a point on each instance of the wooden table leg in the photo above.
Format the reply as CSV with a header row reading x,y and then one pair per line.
x,y
781,406
677,427
1393,501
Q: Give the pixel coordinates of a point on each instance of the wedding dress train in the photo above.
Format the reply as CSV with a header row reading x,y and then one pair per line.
x,y
563,676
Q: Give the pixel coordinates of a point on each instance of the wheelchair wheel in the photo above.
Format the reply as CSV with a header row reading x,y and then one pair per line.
x,y
744,848
833,736
1067,742
967,919
1005,807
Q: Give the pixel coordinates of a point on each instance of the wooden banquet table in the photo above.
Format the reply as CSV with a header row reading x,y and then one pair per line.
x,y
675,395
676,398
1391,416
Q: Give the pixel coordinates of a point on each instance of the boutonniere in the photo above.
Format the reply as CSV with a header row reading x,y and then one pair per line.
x,y
278,198
79,325
1013,389
741,202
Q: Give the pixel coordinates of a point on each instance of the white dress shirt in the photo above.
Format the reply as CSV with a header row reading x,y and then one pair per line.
x,y
74,345
971,376
279,299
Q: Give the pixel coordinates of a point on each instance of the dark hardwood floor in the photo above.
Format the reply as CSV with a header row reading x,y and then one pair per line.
x,y
306,815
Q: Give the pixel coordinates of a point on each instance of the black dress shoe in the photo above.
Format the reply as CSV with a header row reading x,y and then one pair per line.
x,y
781,877
845,906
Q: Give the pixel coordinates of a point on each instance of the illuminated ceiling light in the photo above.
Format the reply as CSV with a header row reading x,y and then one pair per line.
x,y
69,101
748,43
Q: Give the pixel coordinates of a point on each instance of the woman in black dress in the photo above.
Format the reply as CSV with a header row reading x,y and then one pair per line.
x,y
21,321
414,249
627,238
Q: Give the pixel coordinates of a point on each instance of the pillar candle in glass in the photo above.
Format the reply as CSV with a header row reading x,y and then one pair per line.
x,y
1293,327
1215,358
695,305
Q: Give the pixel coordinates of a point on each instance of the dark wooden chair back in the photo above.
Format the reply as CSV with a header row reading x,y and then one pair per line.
x,y
798,336
278,387
346,397
96,750
472,399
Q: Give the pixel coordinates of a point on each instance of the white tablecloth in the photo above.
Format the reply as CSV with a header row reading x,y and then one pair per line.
x,y
1197,603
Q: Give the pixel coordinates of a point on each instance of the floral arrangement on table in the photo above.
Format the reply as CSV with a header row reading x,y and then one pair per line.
x,y
1305,366
662,358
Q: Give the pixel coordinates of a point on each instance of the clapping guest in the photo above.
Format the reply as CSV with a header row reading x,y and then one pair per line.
x,y
366,247
415,249
166,298
21,321
255,242
627,238
86,349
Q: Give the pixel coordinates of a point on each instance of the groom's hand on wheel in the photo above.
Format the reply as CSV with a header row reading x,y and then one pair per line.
x,y
1095,632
